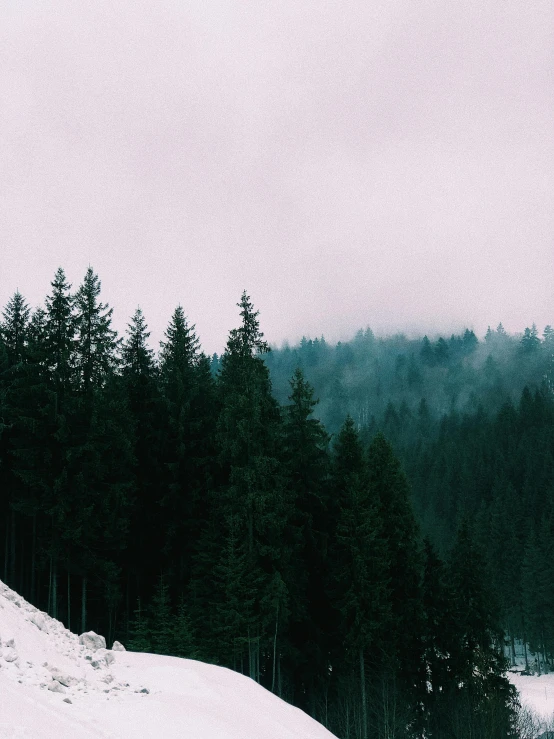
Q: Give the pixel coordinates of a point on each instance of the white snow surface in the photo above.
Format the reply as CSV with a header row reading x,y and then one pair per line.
x,y
52,687
535,692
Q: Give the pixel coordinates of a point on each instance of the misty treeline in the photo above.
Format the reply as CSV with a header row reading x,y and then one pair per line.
x,y
172,502
472,423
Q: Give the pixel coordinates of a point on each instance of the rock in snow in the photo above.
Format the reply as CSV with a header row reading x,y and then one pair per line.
x,y
91,640
61,686
9,654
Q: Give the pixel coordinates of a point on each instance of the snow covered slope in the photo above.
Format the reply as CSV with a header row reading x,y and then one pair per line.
x,y
52,687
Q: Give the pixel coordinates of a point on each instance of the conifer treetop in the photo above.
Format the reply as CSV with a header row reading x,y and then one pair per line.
x,y
247,339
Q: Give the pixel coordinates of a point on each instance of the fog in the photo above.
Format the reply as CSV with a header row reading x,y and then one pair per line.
x,y
382,163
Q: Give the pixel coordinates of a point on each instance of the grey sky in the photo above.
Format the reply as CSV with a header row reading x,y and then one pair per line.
x,y
387,163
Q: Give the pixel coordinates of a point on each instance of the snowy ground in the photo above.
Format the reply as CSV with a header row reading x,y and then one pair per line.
x,y
52,687
536,692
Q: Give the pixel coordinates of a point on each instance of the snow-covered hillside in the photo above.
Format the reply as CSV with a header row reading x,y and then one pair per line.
x,y
51,686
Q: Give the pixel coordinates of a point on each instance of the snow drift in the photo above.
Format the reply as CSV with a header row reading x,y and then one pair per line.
x,y
54,684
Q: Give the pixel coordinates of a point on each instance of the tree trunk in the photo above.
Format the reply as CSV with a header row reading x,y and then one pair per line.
x,y
250,657
34,560
127,605
49,607
83,604
68,598
55,589
258,660
6,550
525,651
364,700
12,550
275,649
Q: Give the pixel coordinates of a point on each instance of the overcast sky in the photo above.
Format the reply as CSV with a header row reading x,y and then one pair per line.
x,y
376,162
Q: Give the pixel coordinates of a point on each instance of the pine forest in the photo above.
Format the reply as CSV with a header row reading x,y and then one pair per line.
x,y
366,528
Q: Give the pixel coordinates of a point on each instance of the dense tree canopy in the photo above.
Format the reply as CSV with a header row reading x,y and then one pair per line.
x,y
199,507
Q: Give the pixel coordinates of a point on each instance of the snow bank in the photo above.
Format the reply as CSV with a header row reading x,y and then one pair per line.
x,y
52,686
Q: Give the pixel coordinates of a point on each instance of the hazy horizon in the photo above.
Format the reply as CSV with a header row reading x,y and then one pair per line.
x,y
380,164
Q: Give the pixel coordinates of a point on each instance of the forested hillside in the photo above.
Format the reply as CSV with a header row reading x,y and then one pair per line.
x,y
197,507
473,424
395,380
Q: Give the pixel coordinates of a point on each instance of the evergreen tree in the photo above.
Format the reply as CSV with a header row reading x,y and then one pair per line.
x,y
97,345
14,328
26,451
93,494
537,601
184,638
480,697
530,341
162,628
190,397
248,436
362,587
305,461
140,638
470,341
148,421
477,660
390,493
441,351
60,337
438,633
426,352
237,582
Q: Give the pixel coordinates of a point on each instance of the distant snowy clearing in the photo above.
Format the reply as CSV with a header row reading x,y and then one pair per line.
x,y
52,687
535,692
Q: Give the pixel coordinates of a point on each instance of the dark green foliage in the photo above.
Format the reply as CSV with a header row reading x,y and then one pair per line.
x,y
252,496
140,639
14,328
390,494
184,639
190,408
60,337
290,559
477,700
362,584
476,652
530,341
438,632
305,460
95,348
162,629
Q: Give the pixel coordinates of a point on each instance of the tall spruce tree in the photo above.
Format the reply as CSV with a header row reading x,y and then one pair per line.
x,y
480,701
439,637
306,464
148,419
95,490
30,445
400,534
248,436
97,344
188,389
16,316
362,587
60,337
14,329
